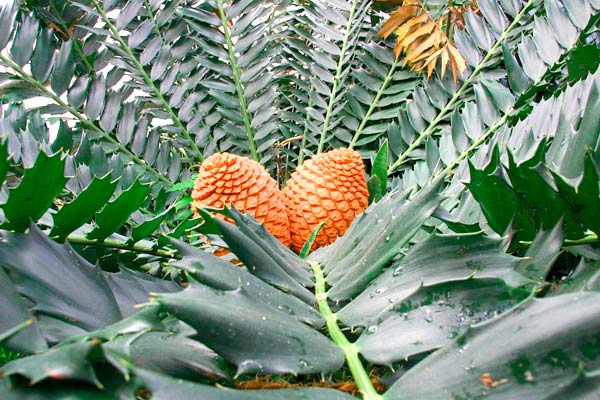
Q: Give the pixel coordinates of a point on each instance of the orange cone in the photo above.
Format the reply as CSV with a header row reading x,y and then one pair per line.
x,y
331,186
226,179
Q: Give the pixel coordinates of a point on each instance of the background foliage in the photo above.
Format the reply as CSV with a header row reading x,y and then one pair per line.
x,y
475,270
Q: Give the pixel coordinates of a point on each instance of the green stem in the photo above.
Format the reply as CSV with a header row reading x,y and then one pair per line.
x,y
337,78
456,98
113,244
237,80
374,103
306,129
589,239
83,119
155,91
361,377
155,27
76,44
475,145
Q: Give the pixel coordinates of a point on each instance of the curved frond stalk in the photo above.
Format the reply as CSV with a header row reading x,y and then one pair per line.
x,y
147,80
361,377
475,145
83,119
152,18
237,80
113,244
517,108
67,33
338,75
375,103
457,95
305,134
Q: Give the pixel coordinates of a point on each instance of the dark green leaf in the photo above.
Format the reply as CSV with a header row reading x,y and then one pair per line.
x,y
116,212
373,240
586,277
435,260
4,160
81,210
219,274
253,336
29,339
63,286
374,186
498,201
380,166
542,253
35,193
433,316
167,353
583,61
66,362
532,351
146,228
538,201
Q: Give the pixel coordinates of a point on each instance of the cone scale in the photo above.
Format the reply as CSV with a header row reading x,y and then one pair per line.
x,y
329,187
226,179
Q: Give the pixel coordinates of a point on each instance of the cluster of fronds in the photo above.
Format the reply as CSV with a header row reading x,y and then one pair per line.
x,y
424,39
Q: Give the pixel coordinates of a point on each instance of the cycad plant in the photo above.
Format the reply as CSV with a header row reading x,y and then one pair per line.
x,y
473,273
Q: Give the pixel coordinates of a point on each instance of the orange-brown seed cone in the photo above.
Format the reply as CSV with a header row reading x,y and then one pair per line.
x,y
226,179
331,186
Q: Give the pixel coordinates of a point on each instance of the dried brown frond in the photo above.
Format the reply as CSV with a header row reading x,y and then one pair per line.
x,y
270,382
424,40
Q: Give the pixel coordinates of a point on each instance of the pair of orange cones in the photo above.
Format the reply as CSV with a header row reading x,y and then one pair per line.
x,y
329,187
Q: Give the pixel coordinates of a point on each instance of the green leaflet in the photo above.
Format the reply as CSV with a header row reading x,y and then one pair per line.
x,y
74,214
379,171
148,227
115,213
40,185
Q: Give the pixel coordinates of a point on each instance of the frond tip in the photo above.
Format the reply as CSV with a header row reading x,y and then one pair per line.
x,y
422,40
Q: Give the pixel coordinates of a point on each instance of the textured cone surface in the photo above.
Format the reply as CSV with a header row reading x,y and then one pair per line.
x,y
226,179
331,186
